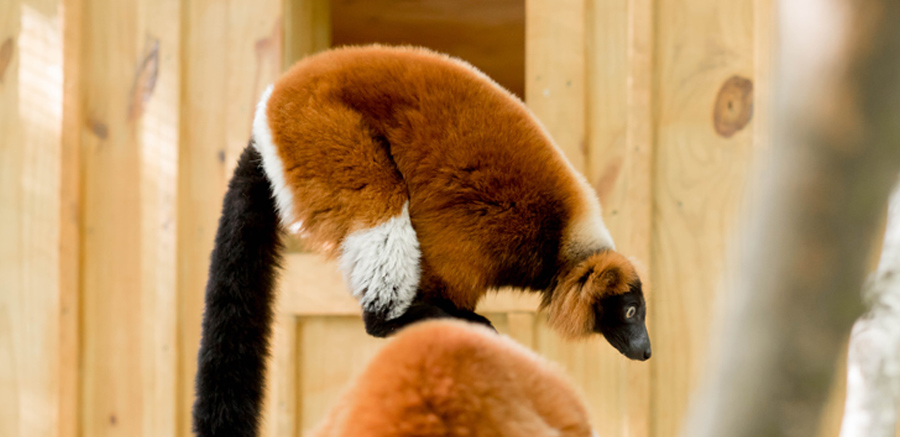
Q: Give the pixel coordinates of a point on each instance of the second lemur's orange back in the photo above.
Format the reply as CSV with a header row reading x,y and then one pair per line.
x,y
449,379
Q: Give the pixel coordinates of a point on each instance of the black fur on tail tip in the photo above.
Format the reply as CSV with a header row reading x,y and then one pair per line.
x,y
238,315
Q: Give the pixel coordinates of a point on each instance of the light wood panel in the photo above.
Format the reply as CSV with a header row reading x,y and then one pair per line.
x,y
201,167
555,71
488,34
331,351
312,285
281,403
31,90
307,28
234,51
699,183
154,106
12,260
70,220
619,166
129,90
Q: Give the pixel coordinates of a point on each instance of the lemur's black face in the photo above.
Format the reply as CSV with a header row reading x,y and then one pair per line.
x,y
620,318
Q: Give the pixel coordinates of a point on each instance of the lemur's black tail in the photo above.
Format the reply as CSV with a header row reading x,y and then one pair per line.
x,y
239,297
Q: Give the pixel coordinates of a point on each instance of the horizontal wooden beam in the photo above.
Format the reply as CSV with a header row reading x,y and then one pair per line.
x,y
313,286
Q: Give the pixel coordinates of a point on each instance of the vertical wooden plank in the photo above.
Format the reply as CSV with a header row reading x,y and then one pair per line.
x,y
579,83
700,174
201,176
555,71
634,237
307,28
595,368
521,327
111,398
281,395
130,91
31,89
11,267
619,166
154,103
254,62
325,370
765,37
70,220
232,51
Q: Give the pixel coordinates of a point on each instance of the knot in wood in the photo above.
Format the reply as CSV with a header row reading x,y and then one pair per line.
x,y
734,106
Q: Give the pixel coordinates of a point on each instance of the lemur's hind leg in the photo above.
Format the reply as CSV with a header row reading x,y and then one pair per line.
x,y
378,325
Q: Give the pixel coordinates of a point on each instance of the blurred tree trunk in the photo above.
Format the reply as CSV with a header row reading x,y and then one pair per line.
x,y
873,364
834,157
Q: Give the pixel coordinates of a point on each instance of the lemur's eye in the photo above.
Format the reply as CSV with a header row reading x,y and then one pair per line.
x,y
629,313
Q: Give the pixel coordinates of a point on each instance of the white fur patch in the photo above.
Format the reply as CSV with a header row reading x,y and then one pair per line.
x,y
587,233
381,265
274,168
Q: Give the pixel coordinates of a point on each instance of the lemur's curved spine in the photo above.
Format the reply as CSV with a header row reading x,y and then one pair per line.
x,y
238,316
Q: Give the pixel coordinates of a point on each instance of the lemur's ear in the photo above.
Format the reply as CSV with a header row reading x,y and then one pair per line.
x,y
610,279
611,274
572,304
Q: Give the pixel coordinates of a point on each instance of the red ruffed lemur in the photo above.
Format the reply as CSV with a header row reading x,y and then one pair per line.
x,y
456,379
432,185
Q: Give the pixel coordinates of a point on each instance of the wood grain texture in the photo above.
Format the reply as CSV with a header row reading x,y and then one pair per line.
x,y
11,222
331,351
307,29
311,285
555,71
595,368
70,220
130,91
521,326
112,399
280,408
233,50
488,34
619,166
30,160
202,178
156,91
699,183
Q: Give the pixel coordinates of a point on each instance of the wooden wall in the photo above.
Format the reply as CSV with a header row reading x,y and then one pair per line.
x,y
122,120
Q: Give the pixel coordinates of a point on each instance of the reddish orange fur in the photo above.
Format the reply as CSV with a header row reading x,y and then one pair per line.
x,y
448,379
571,309
493,202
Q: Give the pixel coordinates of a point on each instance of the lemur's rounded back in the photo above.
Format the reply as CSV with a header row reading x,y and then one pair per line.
x,y
360,133
451,378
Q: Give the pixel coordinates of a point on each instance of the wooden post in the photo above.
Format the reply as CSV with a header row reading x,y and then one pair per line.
x,y
703,121
307,28
31,228
128,136
555,71
232,51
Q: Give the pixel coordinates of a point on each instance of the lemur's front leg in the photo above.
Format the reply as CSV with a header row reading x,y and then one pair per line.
x,y
421,308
